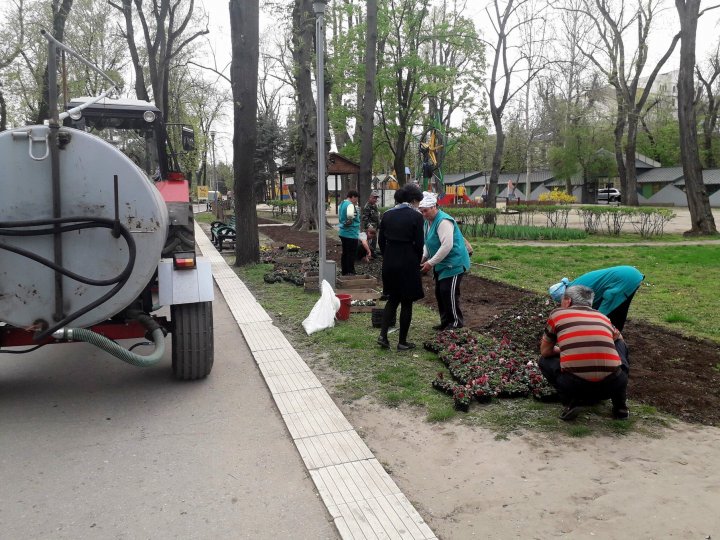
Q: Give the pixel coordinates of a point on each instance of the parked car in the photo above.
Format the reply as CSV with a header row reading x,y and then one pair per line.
x,y
609,195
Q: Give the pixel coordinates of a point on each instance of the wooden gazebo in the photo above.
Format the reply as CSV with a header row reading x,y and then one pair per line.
x,y
337,165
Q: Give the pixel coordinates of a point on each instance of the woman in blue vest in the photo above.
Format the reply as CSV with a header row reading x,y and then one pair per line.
x,y
614,289
446,253
349,219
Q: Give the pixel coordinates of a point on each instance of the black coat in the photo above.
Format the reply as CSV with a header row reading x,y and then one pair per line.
x,y
401,243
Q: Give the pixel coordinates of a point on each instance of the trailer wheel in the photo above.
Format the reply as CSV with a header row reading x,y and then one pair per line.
x,y
192,340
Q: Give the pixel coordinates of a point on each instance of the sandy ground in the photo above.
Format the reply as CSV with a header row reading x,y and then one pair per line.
x,y
467,484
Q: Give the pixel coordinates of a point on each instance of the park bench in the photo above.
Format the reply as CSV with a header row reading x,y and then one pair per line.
x,y
221,231
509,203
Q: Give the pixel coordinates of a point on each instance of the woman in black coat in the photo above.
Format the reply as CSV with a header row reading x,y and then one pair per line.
x,y
401,242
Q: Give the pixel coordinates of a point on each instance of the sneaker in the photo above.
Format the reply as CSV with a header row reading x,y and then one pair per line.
x,y
621,413
438,327
383,342
570,413
405,346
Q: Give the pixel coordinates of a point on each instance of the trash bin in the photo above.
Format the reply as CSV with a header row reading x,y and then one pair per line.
x,y
343,314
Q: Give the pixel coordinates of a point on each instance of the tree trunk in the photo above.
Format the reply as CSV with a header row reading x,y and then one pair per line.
x,y
629,190
306,150
138,66
369,97
245,43
3,112
496,162
619,131
60,15
399,161
701,216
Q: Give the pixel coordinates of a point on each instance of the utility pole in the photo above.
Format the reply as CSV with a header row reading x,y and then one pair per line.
x,y
217,193
319,9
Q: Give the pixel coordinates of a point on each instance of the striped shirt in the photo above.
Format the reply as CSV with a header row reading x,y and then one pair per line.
x,y
586,339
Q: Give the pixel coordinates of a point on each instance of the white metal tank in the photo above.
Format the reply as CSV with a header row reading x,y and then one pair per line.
x,y
87,166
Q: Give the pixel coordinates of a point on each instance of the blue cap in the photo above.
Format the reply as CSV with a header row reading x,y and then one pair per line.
x,y
556,291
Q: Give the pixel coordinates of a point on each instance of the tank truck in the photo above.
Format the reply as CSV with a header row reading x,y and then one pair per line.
x,y
97,234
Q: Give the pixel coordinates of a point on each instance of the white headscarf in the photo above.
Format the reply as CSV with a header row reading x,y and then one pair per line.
x,y
429,200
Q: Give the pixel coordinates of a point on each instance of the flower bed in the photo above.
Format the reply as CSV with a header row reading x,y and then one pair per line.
x,y
503,366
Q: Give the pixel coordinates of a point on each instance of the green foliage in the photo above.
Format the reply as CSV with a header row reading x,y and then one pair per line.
x,y
482,223
516,146
525,232
581,154
663,144
421,72
472,152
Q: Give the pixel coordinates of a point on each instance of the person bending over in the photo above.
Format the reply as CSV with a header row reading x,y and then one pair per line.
x,y
614,289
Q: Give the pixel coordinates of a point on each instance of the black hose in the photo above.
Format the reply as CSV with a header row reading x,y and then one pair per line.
x,y
79,223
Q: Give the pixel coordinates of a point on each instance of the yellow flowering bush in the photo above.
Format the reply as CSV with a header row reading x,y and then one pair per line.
x,y
557,196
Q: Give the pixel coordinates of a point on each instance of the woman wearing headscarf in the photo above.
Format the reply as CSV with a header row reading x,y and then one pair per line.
x,y
401,243
447,254
614,289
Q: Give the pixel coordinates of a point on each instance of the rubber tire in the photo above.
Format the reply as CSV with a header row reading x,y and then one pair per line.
x,y
193,342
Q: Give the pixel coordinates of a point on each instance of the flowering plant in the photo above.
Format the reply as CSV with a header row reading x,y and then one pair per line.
x,y
486,368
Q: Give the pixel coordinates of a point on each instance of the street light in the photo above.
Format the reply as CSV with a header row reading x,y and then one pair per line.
x,y
215,181
319,9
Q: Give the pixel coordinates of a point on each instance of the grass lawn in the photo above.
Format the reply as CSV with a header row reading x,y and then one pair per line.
x,y
405,378
679,291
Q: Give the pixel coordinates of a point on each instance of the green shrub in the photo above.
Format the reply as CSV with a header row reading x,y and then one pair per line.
x,y
527,232
648,221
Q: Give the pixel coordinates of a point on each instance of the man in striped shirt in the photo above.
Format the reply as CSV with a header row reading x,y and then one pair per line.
x,y
583,355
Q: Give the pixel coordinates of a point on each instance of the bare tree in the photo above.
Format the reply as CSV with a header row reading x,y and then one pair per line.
x,y
506,65
534,44
567,87
60,13
701,216
164,36
709,78
611,22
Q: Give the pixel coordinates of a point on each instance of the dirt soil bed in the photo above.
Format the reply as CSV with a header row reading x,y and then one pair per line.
x,y
674,373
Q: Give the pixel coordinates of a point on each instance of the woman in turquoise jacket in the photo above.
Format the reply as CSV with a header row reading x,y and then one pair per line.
x,y
349,219
446,252
614,289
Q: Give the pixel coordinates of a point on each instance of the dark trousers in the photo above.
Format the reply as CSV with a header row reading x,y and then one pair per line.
x,y
347,260
447,294
618,316
390,313
575,390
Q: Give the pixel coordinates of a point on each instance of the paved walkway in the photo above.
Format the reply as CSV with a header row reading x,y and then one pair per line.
x,y
362,499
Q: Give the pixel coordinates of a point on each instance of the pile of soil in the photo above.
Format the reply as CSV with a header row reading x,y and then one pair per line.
x,y
671,372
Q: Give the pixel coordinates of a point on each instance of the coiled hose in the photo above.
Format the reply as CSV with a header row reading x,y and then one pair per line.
x,y
108,345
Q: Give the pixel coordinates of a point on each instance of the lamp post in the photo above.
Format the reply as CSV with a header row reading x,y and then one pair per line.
x,y
319,9
215,181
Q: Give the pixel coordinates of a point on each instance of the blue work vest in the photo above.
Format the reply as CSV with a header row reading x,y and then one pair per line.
x,y
457,261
